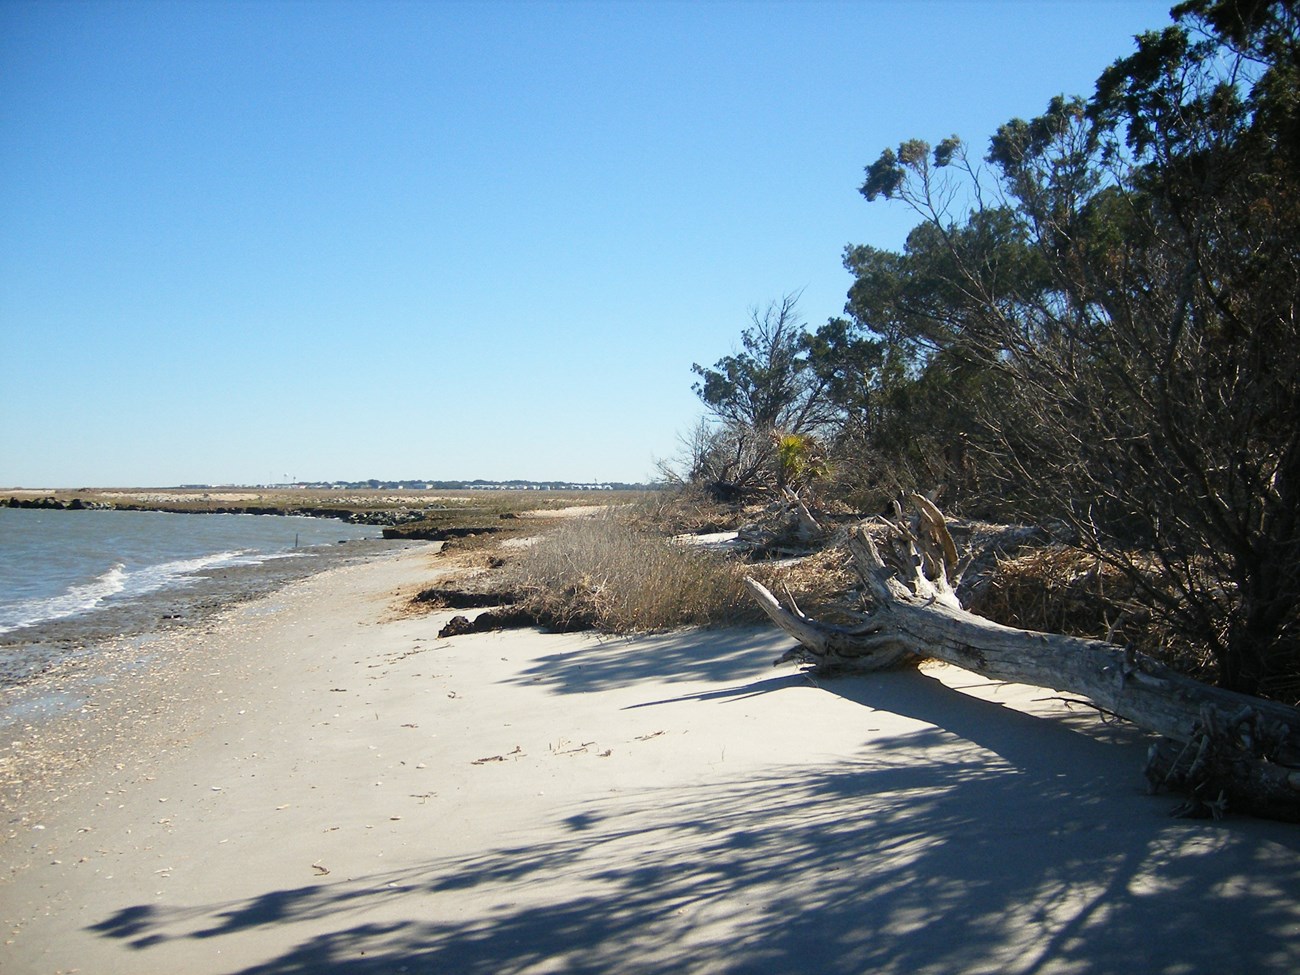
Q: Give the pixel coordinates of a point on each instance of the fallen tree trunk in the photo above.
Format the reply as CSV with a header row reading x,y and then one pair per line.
x,y
1225,750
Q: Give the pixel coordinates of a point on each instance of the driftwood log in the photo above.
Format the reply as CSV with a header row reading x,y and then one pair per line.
x,y
1223,750
787,528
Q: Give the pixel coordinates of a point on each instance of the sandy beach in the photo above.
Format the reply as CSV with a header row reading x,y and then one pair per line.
x,y
314,782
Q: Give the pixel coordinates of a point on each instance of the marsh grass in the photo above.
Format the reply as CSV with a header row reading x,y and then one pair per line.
x,y
608,573
601,573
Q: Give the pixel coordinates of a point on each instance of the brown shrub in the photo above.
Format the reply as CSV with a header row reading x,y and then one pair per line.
x,y
599,572
1060,589
686,510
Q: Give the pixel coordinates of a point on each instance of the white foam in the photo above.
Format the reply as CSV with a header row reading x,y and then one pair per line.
x,y
119,581
77,600
180,572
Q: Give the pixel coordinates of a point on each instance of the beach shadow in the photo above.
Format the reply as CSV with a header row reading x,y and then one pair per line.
x,y
1019,846
596,664
1081,745
737,692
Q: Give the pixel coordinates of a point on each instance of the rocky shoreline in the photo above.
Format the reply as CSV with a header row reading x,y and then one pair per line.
x,y
37,651
408,515
431,521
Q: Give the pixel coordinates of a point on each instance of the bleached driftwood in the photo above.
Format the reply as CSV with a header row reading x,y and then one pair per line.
x,y
788,528
1231,751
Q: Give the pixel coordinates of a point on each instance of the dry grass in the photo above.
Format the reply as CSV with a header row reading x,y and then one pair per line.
x,y
599,572
608,574
1058,589
619,572
686,510
820,583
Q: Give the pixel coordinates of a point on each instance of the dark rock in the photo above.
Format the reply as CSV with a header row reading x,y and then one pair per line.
x,y
456,626
444,598
436,534
487,622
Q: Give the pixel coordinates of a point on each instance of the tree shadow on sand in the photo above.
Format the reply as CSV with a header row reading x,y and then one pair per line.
x,y
586,664
1020,846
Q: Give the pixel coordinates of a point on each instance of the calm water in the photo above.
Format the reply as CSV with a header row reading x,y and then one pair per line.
x,y
64,565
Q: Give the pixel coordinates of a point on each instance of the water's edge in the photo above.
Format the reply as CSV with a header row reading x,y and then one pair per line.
x,y
40,665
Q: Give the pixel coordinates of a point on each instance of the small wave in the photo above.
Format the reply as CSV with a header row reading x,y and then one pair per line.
x,y
77,600
119,581
183,572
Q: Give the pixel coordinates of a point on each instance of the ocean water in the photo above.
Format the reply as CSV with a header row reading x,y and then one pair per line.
x,y
60,564
70,579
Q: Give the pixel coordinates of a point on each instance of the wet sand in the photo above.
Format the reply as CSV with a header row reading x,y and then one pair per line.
x,y
313,782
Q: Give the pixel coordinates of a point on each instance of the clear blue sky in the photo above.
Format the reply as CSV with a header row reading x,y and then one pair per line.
x,y
450,240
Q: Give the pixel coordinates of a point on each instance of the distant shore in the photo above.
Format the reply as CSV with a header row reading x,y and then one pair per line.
x,y
363,510
428,515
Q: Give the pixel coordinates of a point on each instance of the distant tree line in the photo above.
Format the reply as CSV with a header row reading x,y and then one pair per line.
x,y
1093,325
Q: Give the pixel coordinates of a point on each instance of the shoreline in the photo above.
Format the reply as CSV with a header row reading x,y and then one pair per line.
x,y
30,653
52,719
197,504
320,784
410,515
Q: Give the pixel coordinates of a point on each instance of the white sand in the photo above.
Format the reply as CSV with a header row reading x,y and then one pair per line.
x,y
322,786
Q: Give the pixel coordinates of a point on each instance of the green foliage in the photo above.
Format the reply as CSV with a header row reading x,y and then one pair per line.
x,y
1108,334
1099,326
785,381
845,360
769,385
885,177
800,460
